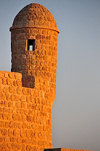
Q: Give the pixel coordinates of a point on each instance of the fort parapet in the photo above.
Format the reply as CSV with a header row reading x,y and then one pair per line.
x,y
28,92
25,115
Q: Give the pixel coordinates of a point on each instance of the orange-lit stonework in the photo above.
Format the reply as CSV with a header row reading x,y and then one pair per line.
x,y
65,149
27,93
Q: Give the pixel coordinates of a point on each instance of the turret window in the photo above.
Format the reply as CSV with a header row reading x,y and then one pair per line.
x,y
31,44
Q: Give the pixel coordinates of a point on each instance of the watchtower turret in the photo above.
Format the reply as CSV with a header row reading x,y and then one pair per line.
x,y
34,46
27,96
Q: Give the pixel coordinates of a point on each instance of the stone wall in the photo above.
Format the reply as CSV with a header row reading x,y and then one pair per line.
x,y
65,149
27,93
38,66
25,115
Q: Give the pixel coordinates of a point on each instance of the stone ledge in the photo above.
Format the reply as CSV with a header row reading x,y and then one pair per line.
x,y
65,149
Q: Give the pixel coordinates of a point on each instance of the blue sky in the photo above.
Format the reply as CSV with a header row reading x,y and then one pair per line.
x,y
76,110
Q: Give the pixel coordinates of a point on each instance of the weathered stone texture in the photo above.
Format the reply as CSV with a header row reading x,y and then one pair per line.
x,y
25,115
65,149
35,15
38,64
27,93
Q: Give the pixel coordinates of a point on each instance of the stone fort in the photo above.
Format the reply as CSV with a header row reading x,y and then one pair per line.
x,y
27,92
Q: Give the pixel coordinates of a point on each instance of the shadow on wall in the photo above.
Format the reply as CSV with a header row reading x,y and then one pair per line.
x,y
28,81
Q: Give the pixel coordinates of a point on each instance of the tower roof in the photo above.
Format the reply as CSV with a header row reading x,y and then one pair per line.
x,y
34,15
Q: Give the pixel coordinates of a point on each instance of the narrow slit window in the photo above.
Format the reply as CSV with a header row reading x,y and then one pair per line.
x,y
31,44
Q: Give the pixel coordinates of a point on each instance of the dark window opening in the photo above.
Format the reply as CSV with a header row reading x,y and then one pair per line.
x,y
31,44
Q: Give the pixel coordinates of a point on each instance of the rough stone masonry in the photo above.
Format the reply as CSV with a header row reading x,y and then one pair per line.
x,y
28,92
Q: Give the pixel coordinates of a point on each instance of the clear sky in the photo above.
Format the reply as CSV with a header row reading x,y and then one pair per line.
x,y
76,110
